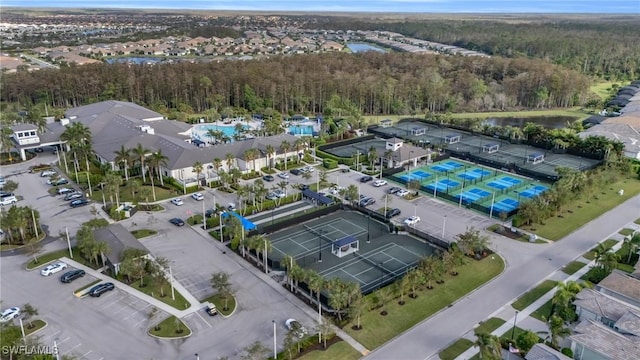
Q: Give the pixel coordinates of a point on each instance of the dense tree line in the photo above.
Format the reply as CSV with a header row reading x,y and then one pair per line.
x,y
372,83
608,47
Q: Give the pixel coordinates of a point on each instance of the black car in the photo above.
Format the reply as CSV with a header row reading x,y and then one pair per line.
x,y
393,190
69,276
367,201
392,212
79,202
295,171
97,290
38,150
210,213
345,170
177,221
303,187
268,178
365,179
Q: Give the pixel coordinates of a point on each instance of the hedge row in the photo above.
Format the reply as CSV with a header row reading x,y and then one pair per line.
x,y
340,160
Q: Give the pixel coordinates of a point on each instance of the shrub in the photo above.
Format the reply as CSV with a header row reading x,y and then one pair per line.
x,y
595,274
329,163
567,352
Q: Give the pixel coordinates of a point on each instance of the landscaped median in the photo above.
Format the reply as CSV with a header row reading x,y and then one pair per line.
x,y
225,308
534,294
170,328
33,326
82,292
378,329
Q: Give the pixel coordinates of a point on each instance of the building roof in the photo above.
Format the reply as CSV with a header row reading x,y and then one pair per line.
x,y
619,283
544,352
124,109
629,323
321,199
616,131
606,341
395,140
601,304
23,126
118,239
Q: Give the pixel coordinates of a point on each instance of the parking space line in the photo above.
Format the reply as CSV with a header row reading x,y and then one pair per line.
x,y
67,339
70,350
87,353
138,323
132,314
205,321
52,336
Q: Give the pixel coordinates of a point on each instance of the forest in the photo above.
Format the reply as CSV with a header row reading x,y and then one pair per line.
x,y
603,47
371,83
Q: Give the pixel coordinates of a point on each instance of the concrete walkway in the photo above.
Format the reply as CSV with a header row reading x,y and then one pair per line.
x,y
523,315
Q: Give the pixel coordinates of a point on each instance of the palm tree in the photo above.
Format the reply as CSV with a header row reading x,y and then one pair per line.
x,y
230,161
76,134
214,135
139,154
288,262
270,152
99,248
29,312
296,273
221,282
123,156
609,261
562,301
358,307
285,146
197,167
6,141
557,330
372,155
299,145
315,282
263,245
489,346
217,164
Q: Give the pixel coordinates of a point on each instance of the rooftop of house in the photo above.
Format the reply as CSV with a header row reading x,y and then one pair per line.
x,y
621,283
544,352
602,305
606,341
118,238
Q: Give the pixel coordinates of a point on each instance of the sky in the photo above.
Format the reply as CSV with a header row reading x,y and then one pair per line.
x,y
383,6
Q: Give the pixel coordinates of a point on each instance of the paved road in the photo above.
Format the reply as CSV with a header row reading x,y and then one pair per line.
x,y
423,341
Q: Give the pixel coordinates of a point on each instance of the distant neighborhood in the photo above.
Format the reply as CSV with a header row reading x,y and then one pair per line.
x,y
253,44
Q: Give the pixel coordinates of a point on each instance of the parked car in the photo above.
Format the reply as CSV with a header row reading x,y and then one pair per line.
x,y
412,221
379,183
38,150
63,191
211,309
53,268
72,196
99,289
57,182
176,221
297,328
402,192
304,187
283,175
392,213
308,169
231,207
8,200
268,178
197,196
279,193
271,196
177,201
336,190
393,190
345,170
210,212
47,173
78,203
69,276
365,179
367,201
10,314
295,171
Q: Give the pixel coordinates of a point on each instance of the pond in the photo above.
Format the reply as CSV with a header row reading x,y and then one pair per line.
x,y
134,60
362,47
551,122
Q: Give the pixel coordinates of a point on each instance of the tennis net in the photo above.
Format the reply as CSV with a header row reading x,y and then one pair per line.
x,y
318,233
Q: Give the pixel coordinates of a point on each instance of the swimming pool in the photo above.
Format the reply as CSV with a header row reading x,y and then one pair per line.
x,y
301,130
200,132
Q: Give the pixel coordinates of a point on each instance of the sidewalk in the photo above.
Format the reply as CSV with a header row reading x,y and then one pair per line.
x,y
523,315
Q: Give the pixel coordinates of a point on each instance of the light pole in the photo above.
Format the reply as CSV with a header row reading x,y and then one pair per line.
x,y
381,274
368,227
319,246
515,320
197,356
275,351
444,224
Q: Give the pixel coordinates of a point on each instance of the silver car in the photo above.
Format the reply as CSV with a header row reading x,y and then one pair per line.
x,y
53,268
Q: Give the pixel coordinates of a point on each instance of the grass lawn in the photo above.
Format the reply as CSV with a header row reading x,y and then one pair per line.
x,y
543,311
454,350
534,294
55,255
126,196
516,332
139,234
626,268
340,350
556,228
572,267
378,329
37,325
574,112
169,328
218,301
488,326
603,89
9,246
626,232
637,221
153,290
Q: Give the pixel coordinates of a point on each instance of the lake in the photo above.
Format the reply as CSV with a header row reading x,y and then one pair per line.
x,y
552,122
362,47
135,60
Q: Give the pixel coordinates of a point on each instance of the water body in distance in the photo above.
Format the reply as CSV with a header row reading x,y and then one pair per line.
x,y
362,47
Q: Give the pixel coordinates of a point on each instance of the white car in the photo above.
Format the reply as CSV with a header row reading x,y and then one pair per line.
x,y
283,175
403,192
308,169
379,183
197,196
8,200
177,201
47,173
411,221
296,327
279,193
10,314
53,268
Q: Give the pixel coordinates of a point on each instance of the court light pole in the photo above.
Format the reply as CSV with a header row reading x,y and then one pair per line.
x,y
513,329
368,227
381,274
320,245
444,224
275,351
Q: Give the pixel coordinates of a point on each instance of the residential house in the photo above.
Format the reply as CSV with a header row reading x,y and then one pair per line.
x,y
543,352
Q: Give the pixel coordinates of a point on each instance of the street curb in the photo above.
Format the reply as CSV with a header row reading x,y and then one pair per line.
x,y
234,309
41,265
42,328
